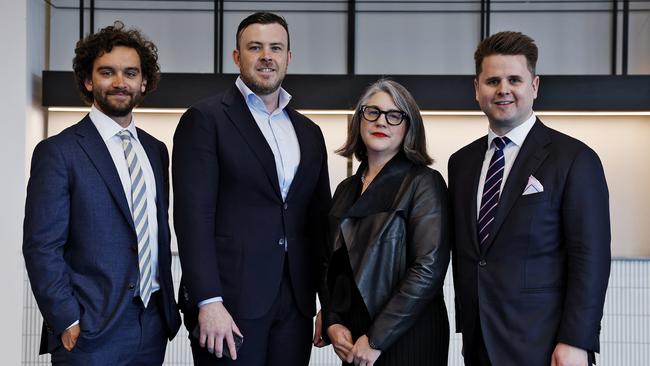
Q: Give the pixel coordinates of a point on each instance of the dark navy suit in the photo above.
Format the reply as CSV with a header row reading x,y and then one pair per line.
x,y
541,277
231,222
80,244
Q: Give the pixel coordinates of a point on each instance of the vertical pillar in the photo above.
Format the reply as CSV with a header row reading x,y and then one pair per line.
x,y
22,36
13,101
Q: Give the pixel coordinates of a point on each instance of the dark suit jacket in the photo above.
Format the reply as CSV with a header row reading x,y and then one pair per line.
x,y
541,278
80,245
229,214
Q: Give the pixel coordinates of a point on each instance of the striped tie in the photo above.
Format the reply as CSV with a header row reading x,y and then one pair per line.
x,y
139,213
491,190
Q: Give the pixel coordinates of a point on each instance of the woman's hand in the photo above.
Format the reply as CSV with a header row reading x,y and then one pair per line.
x,y
363,354
341,338
318,325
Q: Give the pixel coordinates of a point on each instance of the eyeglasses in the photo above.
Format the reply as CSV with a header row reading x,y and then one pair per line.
x,y
393,117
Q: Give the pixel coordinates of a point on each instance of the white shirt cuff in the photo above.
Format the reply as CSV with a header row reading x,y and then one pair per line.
x,y
210,300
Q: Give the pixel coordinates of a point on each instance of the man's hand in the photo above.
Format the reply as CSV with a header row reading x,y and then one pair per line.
x,y
318,325
363,354
215,324
69,337
565,355
341,338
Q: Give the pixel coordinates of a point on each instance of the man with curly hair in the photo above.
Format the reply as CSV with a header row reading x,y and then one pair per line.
x,y
96,233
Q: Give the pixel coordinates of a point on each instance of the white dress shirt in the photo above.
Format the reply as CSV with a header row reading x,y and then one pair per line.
x,y
517,136
108,129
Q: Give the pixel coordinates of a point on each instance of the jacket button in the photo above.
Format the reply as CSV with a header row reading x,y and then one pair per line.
x,y
482,263
134,248
281,241
285,206
131,286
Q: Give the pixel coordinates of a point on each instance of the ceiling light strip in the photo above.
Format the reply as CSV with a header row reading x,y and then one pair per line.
x,y
342,112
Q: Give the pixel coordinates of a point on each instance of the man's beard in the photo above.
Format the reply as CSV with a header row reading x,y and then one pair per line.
x,y
113,110
258,88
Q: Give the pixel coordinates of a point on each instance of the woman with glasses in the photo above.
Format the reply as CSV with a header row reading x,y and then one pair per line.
x,y
389,240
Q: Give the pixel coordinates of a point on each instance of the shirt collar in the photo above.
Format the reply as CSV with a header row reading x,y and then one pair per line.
x,y
254,101
518,134
107,127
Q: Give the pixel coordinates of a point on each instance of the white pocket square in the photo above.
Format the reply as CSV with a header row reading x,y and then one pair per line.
x,y
533,186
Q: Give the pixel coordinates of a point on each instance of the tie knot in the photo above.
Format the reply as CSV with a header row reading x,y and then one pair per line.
x,y
501,142
124,135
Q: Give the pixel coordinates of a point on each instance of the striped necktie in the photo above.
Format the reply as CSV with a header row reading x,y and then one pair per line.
x,y
491,190
139,213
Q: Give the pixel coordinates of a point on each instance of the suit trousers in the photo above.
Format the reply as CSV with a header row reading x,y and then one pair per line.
x,y
282,337
140,339
477,355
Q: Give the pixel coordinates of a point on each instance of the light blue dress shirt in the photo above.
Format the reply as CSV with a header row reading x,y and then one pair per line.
x,y
278,132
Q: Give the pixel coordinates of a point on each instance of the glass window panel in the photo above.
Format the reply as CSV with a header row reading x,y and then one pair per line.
x,y
407,37
182,30
639,41
318,37
573,37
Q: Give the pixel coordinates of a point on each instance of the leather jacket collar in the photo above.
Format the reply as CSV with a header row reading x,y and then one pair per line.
x,y
378,197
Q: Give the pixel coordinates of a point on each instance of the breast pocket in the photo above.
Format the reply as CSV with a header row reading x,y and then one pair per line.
x,y
534,198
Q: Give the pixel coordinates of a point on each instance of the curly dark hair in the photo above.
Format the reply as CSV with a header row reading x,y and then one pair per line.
x,y
95,45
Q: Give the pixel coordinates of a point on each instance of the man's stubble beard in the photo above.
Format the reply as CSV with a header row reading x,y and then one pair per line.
x,y
116,111
260,89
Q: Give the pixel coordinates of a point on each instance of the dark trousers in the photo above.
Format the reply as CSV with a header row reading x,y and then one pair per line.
x,y
282,337
476,354
139,338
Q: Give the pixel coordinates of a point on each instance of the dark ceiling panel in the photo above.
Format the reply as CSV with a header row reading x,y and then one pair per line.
x,y
432,92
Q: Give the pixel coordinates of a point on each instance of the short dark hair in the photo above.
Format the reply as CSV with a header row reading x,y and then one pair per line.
x,y
414,145
262,18
507,43
95,45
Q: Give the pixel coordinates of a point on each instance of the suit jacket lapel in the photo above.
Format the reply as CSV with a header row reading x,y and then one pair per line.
x,y
154,160
153,154
243,120
91,142
474,173
306,148
531,155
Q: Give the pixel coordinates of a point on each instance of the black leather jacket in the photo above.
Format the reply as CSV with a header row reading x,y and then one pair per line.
x,y
397,238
